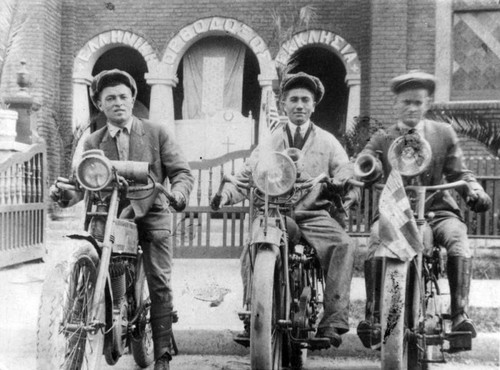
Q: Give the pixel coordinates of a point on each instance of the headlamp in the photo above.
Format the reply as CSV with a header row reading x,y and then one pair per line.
x,y
274,174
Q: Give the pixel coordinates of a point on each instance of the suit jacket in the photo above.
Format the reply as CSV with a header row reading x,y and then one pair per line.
x,y
323,153
153,143
447,164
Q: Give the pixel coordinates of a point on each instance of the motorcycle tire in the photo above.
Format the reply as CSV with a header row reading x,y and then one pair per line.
x,y
400,349
267,341
141,343
66,298
394,345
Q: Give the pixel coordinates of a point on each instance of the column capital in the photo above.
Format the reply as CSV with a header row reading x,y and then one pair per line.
x,y
82,78
155,79
266,80
353,79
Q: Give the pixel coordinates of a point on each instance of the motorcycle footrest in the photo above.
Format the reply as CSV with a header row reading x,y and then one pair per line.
x,y
433,339
459,341
318,343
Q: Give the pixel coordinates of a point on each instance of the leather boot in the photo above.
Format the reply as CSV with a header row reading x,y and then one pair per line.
x,y
369,329
459,271
161,326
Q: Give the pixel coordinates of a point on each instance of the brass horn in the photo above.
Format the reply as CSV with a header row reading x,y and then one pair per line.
x,y
367,167
297,156
410,154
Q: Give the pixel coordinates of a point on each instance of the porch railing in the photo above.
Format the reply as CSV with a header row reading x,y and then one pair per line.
x,y
22,206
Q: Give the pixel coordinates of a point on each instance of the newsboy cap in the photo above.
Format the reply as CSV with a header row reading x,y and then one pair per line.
x,y
306,81
109,78
413,80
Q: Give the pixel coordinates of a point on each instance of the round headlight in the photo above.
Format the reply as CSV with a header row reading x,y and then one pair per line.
x,y
274,174
94,172
410,154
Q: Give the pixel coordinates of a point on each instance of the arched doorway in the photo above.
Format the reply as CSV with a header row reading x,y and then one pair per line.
x,y
332,59
217,97
131,61
330,114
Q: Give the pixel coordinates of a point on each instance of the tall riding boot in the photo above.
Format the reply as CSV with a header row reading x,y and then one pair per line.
x,y
459,276
369,329
161,325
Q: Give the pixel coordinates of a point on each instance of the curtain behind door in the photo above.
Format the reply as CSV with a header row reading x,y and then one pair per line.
x,y
213,77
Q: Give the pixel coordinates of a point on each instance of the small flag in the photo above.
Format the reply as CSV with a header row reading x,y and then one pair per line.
x,y
272,115
398,230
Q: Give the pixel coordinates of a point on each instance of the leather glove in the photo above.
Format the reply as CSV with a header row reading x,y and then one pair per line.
x,y
179,202
480,202
218,201
333,188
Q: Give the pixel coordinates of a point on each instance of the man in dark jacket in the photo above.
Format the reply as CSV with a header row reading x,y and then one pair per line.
x,y
322,153
126,137
412,98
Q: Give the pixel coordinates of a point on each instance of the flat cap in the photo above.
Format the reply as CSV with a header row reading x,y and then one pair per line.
x,y
109,78
306,81
413,80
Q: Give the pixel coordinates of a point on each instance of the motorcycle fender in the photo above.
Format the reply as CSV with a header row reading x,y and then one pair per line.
x,y
88,238
272,236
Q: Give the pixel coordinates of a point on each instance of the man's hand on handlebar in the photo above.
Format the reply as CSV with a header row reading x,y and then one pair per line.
x,y
62,192
479,201
178,202
218,201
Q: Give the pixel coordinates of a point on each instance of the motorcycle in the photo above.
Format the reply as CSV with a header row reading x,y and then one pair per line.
x,y
414,319
287,281
98,302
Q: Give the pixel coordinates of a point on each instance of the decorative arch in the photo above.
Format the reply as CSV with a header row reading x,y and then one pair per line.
x,y
217,26
98,45
213,26
344,51
86,59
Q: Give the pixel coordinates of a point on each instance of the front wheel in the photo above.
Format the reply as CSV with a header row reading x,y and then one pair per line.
x,y
64,340
267,341
401,347
142,338
394,346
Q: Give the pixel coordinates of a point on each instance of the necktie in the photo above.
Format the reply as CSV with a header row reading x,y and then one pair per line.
x,y
122,144
298,141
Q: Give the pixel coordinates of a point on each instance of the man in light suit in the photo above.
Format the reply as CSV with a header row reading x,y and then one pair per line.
x,y
323,153
412,100
126,137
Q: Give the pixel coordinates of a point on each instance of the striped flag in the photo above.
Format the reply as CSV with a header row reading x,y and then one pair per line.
x,y
272,115
398,230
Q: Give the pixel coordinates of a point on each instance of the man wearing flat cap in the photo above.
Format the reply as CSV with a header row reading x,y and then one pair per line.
x,y
322,153
412,99
126,137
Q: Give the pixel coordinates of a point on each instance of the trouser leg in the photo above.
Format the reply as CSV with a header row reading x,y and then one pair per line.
x,y
369,329
335,250
158,253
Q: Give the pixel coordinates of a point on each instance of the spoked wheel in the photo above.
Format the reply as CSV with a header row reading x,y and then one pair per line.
x,y
65,339
142,339
267,341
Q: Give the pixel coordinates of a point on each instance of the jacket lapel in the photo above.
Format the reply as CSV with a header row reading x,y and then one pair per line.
x,y
137,144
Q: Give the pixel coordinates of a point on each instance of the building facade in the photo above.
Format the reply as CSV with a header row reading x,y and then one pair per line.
x,y
207,68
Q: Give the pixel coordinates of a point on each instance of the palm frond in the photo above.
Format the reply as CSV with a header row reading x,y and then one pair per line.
x,y
472,125
8,30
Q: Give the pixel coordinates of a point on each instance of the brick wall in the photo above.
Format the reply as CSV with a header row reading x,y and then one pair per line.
x,y
39,44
